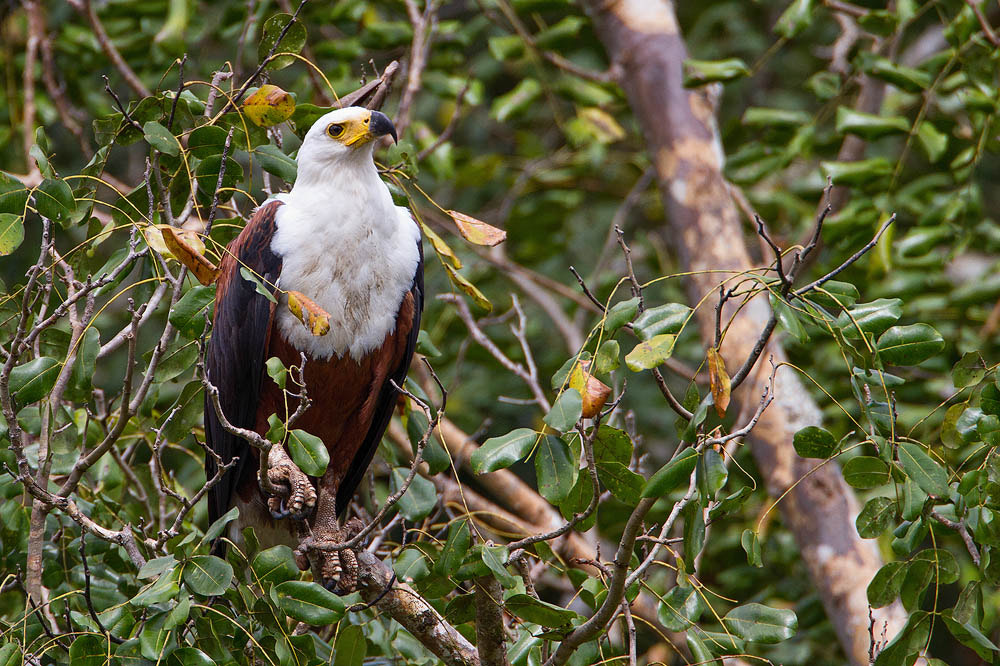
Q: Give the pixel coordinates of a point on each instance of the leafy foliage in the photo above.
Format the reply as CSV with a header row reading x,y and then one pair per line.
x,y
515,120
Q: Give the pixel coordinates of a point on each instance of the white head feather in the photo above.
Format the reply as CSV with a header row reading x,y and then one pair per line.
x,y
343,242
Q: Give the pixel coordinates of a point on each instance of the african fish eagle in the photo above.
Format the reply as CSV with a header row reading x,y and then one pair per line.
x,y
338,238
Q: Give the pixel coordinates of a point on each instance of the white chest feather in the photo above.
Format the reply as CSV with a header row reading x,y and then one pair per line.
x,y
355,254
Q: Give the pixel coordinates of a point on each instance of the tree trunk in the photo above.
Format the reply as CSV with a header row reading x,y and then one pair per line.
x,y
643,40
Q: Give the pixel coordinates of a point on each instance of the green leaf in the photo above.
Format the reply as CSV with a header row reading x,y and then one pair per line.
x,y
861,172
910,640
516,101
351,647
32,381
163,588
612,445
699,72
248,275
680,608
13,195
620,314
309,602
216,528
909,345
868,125
455,548
189,656
662,319
555,468
608,357
969,370
885,585
308,452
970,636
419,499
623,483
756,116
866,472
795,19
501,452
207,141
874,519
11,232
207,176
566,411
275,565
814,442
495,558
751,545
873,317
712,474
530,609
277,371
671,475
273,161
694,533
932,142
89,650
80,387
920,467
292,42
942,561
650,353
54,200
700,654
188,314
834,295
761,624
156,566
161,138
788,317
907,78
207,575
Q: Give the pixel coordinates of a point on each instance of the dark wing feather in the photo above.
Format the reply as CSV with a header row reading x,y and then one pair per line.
x,y
387,397
235,355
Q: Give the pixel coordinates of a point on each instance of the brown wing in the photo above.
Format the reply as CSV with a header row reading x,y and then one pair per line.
x,y
408,324
236,351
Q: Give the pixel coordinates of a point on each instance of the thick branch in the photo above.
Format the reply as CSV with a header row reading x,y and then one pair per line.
x,y
642,36
379,585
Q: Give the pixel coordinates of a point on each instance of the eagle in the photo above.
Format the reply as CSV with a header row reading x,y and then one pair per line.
x,y
337,238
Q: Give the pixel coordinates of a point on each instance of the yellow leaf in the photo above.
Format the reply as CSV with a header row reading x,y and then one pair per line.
x,y
270,105
593,391
718,380
650,353
441,247
312,316
469,288
186,247
477,231
602,124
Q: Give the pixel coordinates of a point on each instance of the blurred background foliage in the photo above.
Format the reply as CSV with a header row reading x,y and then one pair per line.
x,y
898,105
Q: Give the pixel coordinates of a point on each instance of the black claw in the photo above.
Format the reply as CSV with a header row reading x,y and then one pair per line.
x,y
282,511
301,515
332,585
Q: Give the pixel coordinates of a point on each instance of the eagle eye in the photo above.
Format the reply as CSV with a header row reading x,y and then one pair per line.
x,y
335,130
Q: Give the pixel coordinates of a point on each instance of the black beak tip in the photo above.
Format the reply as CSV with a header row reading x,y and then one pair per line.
x,y
380,125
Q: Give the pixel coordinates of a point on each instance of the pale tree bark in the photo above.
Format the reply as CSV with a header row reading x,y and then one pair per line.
x,y
643,41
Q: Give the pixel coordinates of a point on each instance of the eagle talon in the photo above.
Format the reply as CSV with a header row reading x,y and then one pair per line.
x,y
292,492
281,512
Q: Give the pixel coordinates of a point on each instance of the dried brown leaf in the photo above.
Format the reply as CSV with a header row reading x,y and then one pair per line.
x,y
718,380
593,391
477,231
312,316
185,246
